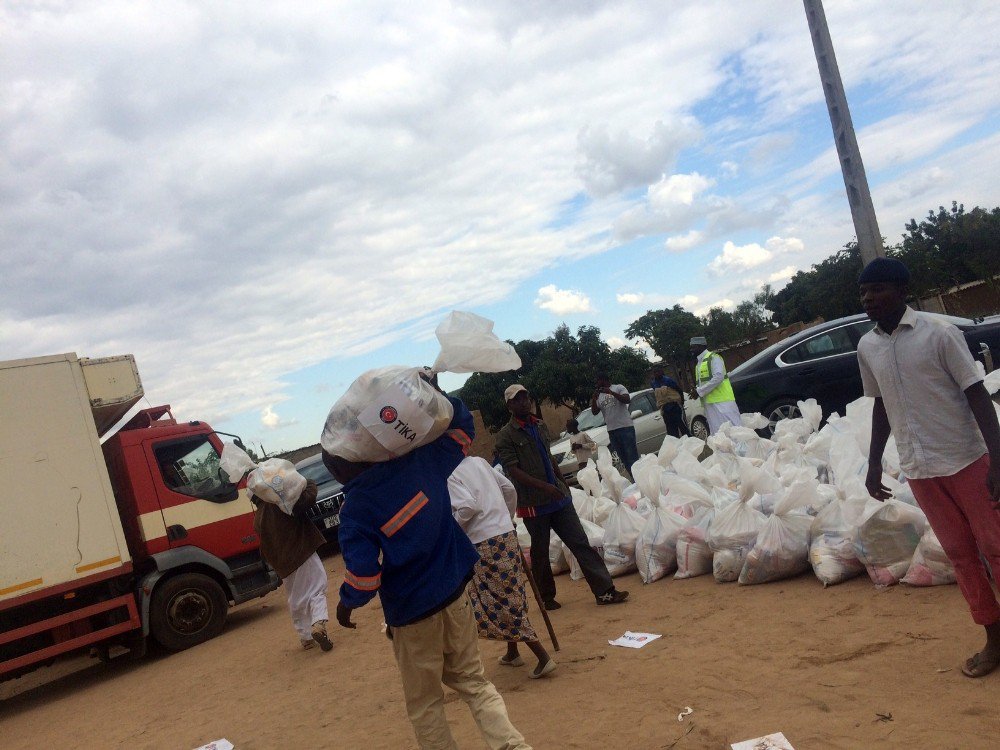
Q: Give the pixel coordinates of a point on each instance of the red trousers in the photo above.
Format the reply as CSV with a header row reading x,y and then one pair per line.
x,y
959,510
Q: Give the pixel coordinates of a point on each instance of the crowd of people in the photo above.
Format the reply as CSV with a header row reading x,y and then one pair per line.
x,y
431,532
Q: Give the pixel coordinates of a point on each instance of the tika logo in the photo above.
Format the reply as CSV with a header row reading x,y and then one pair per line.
x,y
388,414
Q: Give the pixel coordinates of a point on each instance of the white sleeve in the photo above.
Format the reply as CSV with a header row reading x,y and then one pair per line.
x,y
463,503
718,375
507,489
956,359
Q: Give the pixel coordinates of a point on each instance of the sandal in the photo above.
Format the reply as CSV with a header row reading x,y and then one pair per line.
x,y
980,666
545,669
517,661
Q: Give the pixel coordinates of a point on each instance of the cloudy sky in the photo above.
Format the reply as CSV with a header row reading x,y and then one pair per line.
x,y
262,200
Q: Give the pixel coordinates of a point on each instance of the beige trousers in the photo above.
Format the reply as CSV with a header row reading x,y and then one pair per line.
x,y
444,648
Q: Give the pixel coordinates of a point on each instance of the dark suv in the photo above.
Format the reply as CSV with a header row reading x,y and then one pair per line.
x,y
329,498
822,363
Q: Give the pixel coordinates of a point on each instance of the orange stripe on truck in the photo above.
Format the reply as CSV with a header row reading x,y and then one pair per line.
x,y
404,515
98,564
21,586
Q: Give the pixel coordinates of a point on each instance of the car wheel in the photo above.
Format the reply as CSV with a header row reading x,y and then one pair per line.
x,y
699,428
783,409
186,610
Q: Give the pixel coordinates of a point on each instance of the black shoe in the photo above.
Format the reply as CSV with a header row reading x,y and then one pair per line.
x,y
612,596
551,604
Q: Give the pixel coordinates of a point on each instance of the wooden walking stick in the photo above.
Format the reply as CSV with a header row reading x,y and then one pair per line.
x,y
538,600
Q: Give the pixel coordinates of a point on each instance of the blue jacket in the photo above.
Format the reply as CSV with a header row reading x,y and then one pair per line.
x,y
400,511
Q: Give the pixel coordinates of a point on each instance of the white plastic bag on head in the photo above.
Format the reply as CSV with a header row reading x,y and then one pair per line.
x,y
277,482
831,546
595,539
930,565
621,531
694,556
656,547
468,344
385,413
888,534
235,462
782,546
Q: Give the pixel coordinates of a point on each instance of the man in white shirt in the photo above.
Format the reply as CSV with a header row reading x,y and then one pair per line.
x,y
580,443
929,394
712,387
612,401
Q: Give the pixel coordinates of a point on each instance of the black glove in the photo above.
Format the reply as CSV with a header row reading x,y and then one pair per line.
x,y
344,616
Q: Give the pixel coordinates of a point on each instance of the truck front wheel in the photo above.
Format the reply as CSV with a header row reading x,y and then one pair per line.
x,y
186,610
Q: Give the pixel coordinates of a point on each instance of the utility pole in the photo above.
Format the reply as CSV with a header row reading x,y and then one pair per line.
x,y
862,210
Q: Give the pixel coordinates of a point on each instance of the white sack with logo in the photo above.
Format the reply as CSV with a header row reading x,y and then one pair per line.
x,y
273,481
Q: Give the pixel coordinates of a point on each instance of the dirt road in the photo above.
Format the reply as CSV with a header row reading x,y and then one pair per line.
x,y
846,667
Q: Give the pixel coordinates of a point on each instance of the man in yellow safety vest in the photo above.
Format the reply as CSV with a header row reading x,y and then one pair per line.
x,y
712,386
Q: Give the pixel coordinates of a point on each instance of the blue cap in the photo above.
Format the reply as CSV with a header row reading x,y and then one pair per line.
x,y
887,270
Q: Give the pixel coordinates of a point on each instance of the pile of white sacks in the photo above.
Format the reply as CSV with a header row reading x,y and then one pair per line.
x,y
758,510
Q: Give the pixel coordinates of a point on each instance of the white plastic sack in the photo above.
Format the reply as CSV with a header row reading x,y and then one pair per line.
x,y
831,546
674,484
811,412
731,536
646,472
656,547
694,557
689,467
668,451
235,462
468,344
589,479
557,555
888,534
782,546
755,421
631,496
385,413
277,482
930,565
621,531
595,538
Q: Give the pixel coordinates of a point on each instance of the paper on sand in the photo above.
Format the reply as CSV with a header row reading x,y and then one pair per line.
x,y
774,741
634,640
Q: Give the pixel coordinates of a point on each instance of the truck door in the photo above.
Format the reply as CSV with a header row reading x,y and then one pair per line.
x,y
200,508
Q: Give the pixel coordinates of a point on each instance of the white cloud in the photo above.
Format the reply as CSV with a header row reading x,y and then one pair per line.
x,y
629,298
269,418
687,300
562,301
680,243
782,275
736,258
677,189
725,303
729,169
616,342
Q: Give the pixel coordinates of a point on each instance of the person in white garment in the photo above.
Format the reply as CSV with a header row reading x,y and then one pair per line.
x,y
712,386
289,544
483,501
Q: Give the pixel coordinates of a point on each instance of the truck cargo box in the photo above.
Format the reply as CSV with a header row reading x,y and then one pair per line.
x,y
59,522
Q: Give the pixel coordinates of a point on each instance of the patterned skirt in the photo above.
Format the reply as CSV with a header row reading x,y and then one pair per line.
x,y
497,591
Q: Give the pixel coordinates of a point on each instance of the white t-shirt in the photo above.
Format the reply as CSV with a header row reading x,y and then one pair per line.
x,y
921,371
482,500
616,414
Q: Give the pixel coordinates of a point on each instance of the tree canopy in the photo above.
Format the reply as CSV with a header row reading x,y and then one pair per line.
x,y
558,370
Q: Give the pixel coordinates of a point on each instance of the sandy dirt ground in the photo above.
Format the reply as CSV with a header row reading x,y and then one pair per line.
x,y
845,667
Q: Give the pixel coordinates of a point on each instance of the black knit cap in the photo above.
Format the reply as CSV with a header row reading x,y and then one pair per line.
x,y
888,270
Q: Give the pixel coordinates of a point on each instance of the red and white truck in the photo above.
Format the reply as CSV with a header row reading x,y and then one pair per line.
x,y
102,546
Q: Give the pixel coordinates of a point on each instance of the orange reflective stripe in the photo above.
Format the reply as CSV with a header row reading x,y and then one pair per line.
x,y
363,583
462,438
405,513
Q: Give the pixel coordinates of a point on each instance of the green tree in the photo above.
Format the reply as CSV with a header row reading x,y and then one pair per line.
x,y
668,332
828,290
558,370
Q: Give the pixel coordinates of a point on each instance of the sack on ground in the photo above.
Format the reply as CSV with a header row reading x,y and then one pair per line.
x,y
595,539
782,546
731,536
656,547
386,413
589,479
621,531
694,556
888,534
557,555
930,565
831,546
